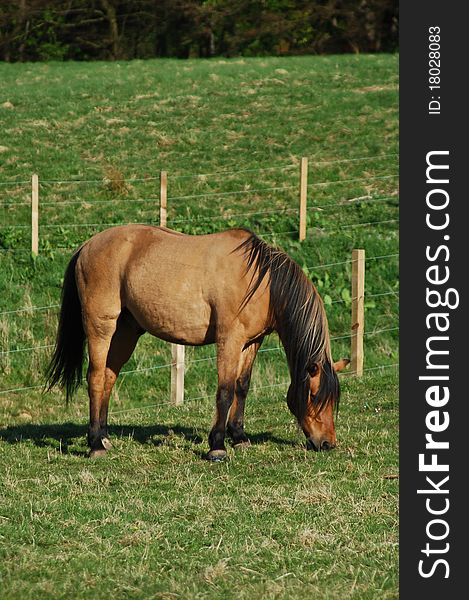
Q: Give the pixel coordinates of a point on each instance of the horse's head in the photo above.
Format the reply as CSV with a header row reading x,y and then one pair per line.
x,y
317,422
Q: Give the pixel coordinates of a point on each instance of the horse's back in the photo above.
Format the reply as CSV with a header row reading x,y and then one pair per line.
x,y
117,246
162,249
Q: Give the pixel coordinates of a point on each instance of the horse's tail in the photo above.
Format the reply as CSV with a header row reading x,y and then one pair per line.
x,y
66,366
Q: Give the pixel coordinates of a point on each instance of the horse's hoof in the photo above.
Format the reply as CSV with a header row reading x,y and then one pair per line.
x,y
99,453
216,455
242,445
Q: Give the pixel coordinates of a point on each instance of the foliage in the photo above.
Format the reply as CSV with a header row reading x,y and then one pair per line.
x,y
123,29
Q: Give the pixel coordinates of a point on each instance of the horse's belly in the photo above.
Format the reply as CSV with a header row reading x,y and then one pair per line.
x,y
188,332
173,291
175,321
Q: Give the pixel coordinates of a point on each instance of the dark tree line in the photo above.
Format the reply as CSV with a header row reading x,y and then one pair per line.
x,y
124,29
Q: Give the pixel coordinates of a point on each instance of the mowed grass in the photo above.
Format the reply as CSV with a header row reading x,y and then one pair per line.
x,y
153,519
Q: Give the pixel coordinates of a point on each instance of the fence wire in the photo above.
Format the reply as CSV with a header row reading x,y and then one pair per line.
x,y
29,311
32,309
222,173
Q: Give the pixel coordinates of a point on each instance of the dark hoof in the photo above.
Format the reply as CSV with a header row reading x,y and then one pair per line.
x,y
99,453
216,455
242,445
105,446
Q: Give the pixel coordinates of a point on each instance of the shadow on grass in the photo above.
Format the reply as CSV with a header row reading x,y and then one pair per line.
x,y
70,438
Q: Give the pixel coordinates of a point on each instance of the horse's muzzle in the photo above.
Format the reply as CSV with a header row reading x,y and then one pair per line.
x,y
325,445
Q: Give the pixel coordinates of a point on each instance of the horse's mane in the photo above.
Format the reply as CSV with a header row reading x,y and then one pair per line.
x,y
297,313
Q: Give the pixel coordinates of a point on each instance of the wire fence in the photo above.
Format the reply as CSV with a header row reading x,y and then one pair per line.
x,y
49,225
255,390
30,310
244,192
346,336
155,200
222,173
341,337
132,372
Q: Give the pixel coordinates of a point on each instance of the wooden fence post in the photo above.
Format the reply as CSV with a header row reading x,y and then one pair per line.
x,y
163,198
177,374
35,214
358,310
303,196
177,351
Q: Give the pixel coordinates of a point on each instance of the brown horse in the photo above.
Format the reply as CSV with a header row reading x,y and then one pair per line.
x,y
228,288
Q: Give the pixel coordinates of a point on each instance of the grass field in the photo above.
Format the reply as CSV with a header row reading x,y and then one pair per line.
x,y
153,519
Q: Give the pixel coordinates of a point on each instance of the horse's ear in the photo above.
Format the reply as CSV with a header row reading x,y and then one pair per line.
x,y
341,364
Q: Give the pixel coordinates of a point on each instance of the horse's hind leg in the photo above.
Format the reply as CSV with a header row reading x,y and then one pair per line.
x,y
235,426
122,345
99,332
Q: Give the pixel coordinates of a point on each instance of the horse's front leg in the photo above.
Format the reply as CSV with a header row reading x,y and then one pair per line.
x,y
229,354
235,426
216,438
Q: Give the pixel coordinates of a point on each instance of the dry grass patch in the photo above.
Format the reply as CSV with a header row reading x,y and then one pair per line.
x,y
114,181
377,88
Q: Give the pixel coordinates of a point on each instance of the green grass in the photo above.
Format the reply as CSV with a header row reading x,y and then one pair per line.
x,y
153,520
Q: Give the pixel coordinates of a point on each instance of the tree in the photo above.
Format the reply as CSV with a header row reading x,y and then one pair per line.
x,y
125,29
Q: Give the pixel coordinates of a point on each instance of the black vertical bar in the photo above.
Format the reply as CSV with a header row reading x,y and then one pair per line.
x,y
429,571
